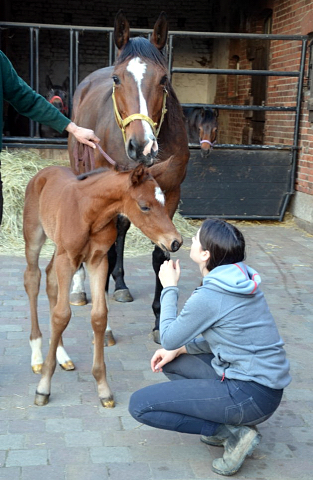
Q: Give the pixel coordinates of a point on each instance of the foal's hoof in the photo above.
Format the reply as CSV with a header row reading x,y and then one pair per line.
x,y
68,366
123,296
78,299
41,399
37,368
109,339
156,336
107,402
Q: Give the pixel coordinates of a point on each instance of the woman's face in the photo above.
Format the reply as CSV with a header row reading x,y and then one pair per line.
x,y
198,255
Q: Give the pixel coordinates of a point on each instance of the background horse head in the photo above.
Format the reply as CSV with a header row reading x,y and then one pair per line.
x,y
57,95
202,127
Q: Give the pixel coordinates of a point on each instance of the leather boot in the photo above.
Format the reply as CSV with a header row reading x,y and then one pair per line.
x,y
240,442
219,438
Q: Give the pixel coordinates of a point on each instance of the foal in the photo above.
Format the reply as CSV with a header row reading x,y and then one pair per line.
x,y
78,215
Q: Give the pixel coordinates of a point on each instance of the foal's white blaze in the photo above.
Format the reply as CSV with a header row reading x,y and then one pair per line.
x,y
36,358
159,195
138,68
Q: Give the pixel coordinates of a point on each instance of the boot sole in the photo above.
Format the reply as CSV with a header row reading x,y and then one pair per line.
x,y
218,443
255,442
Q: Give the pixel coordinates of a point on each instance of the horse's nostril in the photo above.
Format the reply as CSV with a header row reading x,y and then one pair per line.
x,y
175,245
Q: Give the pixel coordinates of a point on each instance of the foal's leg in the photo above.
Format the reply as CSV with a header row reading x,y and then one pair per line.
x,y
34,240
78,295
60,317
52,291
98,274
121,293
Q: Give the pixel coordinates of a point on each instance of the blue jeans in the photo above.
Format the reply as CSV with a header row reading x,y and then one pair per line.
x,y
197,401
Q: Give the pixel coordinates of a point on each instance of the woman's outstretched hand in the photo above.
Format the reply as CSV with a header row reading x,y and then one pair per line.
x,y
169,273
162,356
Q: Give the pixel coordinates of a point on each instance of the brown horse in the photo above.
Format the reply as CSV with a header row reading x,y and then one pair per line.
x,y
79,217
57,95
134,111
202,127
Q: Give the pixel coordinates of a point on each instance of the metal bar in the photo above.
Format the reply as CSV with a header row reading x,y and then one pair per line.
x,y
170,55
111,49
235,217
296,132
240,107
31,73
76,58
232,146
223,71
222,35
71,87
37,132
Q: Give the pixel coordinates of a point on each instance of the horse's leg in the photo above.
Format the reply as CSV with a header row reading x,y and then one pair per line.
x,y
52,291
121,293
34,240
98,276
158,257
78,295
60,317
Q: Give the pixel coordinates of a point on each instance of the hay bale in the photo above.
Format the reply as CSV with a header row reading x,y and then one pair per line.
x,y
18,167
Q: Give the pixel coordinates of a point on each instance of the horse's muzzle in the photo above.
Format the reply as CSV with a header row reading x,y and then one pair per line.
x,y
175,245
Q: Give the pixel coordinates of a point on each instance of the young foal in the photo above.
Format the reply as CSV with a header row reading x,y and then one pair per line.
x,y
79,217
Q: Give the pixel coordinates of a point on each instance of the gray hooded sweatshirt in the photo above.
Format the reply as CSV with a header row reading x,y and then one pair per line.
x,y
230,312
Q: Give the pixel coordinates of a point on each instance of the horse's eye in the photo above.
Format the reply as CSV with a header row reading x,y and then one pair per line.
x,y
163,80
144,208
116,80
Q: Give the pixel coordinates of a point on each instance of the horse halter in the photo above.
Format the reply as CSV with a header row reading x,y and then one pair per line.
x,y
208,141
64,109
138,116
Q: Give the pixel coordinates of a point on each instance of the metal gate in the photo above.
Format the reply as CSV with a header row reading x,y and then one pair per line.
x,y
235,181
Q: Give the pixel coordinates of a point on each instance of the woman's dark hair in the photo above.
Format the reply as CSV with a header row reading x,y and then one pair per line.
x,y
224,241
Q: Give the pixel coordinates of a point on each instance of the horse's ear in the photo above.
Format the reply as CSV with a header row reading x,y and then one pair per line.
x,y
139,175
66,84
159,35
49,84
216,112
121,30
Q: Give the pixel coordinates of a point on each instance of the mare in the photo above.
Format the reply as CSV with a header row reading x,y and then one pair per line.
x,y
133,109
57,95
78,215
201,124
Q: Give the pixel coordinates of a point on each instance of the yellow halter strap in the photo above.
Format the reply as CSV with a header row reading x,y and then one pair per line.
x,y
138,116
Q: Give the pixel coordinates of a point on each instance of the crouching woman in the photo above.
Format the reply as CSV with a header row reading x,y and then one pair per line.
x,y
223,352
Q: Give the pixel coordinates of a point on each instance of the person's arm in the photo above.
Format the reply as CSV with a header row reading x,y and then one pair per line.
x,y
162,357
29,103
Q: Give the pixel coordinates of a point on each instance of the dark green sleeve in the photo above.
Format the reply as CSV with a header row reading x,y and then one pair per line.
x,y
26,101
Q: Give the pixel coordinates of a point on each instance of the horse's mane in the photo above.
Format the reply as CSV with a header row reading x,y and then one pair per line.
x,y
141,47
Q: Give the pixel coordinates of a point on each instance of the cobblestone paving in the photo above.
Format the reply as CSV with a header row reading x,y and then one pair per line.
x,y
74,438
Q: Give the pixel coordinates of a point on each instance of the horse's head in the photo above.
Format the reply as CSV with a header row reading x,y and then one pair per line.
x,y
145,207
58,95
140,79
207,127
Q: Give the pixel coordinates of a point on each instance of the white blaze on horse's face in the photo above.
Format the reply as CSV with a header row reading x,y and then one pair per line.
x,y
138,69
159,195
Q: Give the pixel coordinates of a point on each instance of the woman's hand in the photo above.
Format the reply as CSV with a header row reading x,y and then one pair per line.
x,y
162,356
83,135
169,273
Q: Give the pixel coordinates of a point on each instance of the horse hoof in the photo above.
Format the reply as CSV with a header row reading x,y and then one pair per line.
x,y
107,402
123,296
69,365
37,368
78,299
156,336
41,399
109,340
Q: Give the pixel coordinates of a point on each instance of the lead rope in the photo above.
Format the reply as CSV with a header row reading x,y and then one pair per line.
x,y
85,154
